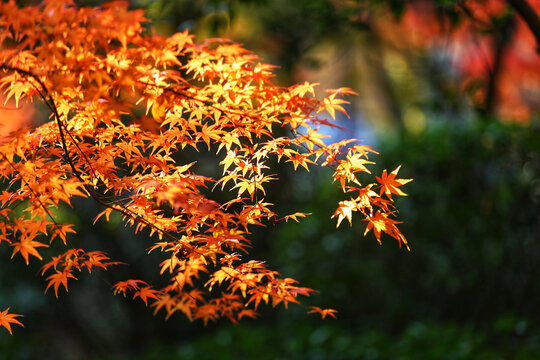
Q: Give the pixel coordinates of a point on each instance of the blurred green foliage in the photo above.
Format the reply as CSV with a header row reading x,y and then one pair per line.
x,y
472,217
418,341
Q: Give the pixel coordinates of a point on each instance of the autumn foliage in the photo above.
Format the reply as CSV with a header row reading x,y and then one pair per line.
x,y
123,102
486,41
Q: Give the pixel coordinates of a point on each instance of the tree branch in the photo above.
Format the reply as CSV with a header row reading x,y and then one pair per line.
x,y
502,37
44,93
529,15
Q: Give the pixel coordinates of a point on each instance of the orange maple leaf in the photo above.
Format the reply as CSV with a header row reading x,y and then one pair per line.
x,y
302,89
247,312
390,184
128,285
7,319
145,293
381,222
344,211
98,258
26,247
60,277
295,216
323,312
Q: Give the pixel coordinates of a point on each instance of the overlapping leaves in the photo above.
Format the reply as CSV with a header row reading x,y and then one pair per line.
x,y
123,102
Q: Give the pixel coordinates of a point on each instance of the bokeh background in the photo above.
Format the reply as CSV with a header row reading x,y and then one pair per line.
x,y
450,90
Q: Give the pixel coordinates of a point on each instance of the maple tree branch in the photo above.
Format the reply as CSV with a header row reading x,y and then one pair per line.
x,y
203,95
191,97
529,15
44,94
502,37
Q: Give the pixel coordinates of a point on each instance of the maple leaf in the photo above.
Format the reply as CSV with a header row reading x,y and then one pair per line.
x,y
247,312
146,292
206,312
128,285
304,88
344,211
164,301
97,258
184,306
26,246
314,138
323,312
381,222
7,319
170,264
53,263
295,216
331,104
390,184
60,277
357,163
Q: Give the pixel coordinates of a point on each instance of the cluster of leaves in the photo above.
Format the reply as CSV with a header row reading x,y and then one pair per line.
x,y
123,102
